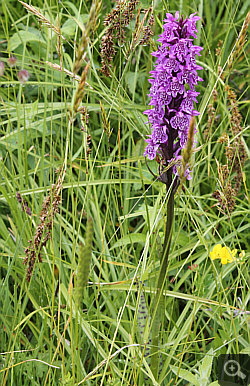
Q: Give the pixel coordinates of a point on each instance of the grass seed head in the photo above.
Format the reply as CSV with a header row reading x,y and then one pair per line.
x,y
116,20
43,232
84,261
23,202
240,42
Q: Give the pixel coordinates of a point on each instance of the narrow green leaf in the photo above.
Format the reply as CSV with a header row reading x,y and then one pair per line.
x,y
130,239
185,375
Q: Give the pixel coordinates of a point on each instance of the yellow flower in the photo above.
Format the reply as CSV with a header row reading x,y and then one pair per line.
x,y
223,253
215,254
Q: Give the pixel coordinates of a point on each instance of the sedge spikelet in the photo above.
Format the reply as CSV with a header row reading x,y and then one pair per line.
x,y
236,157
43,232
187,151
23,202
84,41
80,89
143,324
230,175
84,263
116,21
105,122
240,42
226,193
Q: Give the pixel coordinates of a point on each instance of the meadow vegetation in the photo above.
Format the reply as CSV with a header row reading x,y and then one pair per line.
x,y
83,221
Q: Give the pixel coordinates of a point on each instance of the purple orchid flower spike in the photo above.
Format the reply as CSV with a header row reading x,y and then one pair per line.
x,y
172,93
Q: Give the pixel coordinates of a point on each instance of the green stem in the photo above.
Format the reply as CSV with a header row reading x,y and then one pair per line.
x,y
159,301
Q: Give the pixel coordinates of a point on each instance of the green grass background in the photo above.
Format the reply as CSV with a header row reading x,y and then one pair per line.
x,y
38,340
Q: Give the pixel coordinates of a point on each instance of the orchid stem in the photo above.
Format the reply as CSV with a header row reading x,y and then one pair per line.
x,y
159,301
